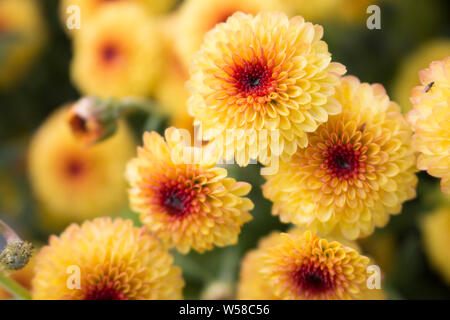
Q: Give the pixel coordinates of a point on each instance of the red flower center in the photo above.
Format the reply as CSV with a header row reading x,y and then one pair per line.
x,y
342,160
176,199
109,53
104,292
253,78
312,279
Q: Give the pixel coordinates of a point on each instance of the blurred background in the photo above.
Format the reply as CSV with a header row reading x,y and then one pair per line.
x,y
48,181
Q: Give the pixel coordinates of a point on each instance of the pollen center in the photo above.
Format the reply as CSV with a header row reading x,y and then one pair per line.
x,y
342,160
109,53
104,292
312,279
176,199
253,78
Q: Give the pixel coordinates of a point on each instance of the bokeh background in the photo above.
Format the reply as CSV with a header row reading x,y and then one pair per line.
x,y
413,33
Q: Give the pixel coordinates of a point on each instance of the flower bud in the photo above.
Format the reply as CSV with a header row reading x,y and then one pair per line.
x,y
16,255
92,120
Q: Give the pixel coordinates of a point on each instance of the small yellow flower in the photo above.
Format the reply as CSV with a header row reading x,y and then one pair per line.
x,y
186,205
114,261
357,170
436,237
89,8
304,266
263,74
117,53
407,79
22,36
190,29
430,119
74,182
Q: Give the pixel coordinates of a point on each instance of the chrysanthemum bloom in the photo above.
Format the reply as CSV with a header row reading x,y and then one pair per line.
x,y
263,75
420,59
105,260
116,53
430,119
303,266
187,205
436,237
23,34
74,182
190,30
89,8
357,170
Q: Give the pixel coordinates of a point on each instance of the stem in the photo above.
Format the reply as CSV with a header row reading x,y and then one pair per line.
x,y
14,288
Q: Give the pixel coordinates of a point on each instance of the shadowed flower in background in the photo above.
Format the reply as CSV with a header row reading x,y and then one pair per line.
x,y
186,205
116,261
22,36
117,53
430,120
436,238
358,169
263,73
73,182
303,266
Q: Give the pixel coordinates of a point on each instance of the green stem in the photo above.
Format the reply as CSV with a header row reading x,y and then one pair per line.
x,y
14,288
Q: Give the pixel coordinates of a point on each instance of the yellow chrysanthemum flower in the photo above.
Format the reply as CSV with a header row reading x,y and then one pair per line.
x,y
357,170
261,75
187,205
74,182
407,78
117,53
303,266
114,261
436,237
430,119
190,30
22,35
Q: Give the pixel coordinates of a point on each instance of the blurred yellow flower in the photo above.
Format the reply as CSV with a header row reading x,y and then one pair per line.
x,y
436,238
22,36
430,119
74,182
114,260
196,17
407,78
186,205
263,74
349,11
89,8
117,53
303,266
170,90
358,169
